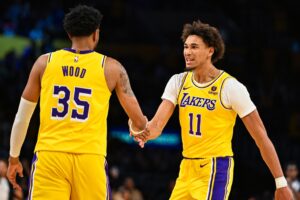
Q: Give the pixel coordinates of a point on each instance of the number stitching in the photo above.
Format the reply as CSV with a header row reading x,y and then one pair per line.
x,y
64,102
84,105
198,130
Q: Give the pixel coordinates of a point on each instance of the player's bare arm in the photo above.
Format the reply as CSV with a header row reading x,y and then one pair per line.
x,y
258,132
160,119
124,82
117,78
33,86
27,105
156,125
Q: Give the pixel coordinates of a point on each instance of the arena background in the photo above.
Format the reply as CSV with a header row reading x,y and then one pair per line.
x,y
262,51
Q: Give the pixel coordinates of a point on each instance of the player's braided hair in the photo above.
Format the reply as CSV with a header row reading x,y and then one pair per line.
x,y
210,35
82,20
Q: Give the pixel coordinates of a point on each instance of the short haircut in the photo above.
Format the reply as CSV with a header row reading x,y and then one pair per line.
x,y
210,36
82,20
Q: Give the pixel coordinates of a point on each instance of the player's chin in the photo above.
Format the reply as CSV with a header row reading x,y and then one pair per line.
x,y
189,68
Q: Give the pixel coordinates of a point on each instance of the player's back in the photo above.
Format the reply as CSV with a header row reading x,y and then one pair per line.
x,y
74,103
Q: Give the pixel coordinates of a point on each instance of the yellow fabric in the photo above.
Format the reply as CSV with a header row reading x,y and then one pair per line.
x,y
204,179
74,104
67,176
206,125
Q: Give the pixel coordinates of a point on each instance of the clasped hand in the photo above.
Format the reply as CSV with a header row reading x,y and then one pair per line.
x,y
142,137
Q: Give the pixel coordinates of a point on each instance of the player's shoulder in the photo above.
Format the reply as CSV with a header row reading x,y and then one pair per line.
x,y
44,56
179,77
42,59
51,55
232,83
112,62
112,65
40,64
227,78
177,80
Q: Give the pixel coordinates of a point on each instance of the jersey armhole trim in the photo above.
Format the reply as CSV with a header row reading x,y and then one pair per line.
x,y
46,67
103,61
49,57
221,93
102,67
182,84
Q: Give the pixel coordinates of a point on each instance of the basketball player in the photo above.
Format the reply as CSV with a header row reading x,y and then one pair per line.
x,y
209,100
74,85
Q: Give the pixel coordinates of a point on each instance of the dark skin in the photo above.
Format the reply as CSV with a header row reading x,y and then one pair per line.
x,y
126,88
116,79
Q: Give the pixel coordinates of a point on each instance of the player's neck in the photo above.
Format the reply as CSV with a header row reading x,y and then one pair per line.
x,y
80,44
205,73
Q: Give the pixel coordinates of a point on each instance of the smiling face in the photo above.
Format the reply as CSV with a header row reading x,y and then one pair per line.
x,y
196,52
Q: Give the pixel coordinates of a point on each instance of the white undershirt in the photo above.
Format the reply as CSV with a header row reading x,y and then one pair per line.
x,y
20,126
234,94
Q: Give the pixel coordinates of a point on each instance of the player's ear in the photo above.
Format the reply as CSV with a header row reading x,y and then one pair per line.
x,y
96,35
211,51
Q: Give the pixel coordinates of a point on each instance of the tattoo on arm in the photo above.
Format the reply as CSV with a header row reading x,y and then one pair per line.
x,y
124,82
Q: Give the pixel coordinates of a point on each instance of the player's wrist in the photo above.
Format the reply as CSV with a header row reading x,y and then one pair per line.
x,y
13,160
280,182
137,132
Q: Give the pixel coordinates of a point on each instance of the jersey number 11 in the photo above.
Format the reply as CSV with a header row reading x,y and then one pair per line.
x,y
198,118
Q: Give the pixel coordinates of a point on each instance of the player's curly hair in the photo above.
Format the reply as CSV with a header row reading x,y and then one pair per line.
x,y
82,20
210,35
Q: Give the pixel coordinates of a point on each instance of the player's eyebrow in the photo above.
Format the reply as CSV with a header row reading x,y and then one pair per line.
x,y
191,44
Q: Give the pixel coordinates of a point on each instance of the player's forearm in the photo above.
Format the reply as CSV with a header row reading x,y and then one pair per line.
x,y
270,157
160,119
134,112
140,122
155,129
127,97
20,126
258,132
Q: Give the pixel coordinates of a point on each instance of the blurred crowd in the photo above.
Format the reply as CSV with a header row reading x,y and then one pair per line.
x,y
262,51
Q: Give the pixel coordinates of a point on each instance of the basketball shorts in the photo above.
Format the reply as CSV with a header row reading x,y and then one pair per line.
x,y
204,179
64,176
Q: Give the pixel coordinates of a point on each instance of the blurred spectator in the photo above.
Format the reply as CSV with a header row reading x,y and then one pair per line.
x,y
122,194
4,185
291,173
114,177
134,193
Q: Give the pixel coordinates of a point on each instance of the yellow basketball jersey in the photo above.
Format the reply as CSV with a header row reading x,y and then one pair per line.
x,y
74,103
206,125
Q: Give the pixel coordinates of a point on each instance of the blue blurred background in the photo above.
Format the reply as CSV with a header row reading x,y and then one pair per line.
x,y
262,51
